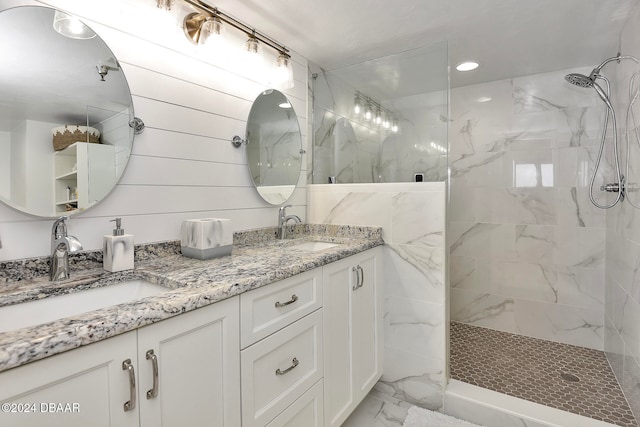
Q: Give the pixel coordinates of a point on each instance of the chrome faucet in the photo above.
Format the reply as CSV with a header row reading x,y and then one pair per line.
x,y
61,246
283,218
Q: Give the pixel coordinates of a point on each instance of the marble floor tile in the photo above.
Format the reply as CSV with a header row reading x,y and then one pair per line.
x,y
376,410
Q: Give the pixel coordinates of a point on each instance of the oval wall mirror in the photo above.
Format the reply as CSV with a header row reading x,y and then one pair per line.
x,y
65,109
274,146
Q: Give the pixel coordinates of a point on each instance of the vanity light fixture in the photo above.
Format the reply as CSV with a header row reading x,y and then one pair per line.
x,y
165,4
208,21
374,112
467,66
71,26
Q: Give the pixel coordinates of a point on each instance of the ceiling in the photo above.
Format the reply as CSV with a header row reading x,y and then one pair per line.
x,y
508,38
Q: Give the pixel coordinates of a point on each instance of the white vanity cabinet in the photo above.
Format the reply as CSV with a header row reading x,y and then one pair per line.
x,y
197,371
197,382
353,331
281,363
90,379
301,352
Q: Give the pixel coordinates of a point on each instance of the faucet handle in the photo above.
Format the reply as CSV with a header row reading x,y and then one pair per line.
x,y
59,223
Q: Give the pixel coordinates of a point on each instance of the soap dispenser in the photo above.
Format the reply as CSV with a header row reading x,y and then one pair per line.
x,y
117,253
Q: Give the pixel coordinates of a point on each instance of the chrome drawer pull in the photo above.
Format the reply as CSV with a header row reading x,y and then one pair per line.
x,y
294,363
361,270
293,299
154,363
131,404
357,285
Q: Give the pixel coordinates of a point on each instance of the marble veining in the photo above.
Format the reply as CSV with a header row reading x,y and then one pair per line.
x,y
526,245
194,283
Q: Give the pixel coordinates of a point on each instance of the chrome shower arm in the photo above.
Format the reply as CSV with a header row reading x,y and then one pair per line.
x,y
614,58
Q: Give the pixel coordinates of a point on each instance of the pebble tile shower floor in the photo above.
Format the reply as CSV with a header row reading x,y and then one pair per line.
x,y
540,371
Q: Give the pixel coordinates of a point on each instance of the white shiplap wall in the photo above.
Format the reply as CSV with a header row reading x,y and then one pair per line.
x,y
183,165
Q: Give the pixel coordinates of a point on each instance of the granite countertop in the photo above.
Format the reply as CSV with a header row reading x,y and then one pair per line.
x,y
257,260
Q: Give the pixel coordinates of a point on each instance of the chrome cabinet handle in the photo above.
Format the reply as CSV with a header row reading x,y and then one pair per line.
x,y
293,299
294,363
357,284
154,363
361,270
131,404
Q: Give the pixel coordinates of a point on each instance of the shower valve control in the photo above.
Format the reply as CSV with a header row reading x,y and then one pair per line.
x,y
611,188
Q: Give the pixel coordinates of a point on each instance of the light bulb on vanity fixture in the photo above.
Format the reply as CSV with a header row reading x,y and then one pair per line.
x,y
211,30
165,4
368,114
385,123
282,74
378,119
71,26
357,104
251,59
206,31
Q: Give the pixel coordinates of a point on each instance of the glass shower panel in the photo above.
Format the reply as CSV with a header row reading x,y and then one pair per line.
x,y
384,120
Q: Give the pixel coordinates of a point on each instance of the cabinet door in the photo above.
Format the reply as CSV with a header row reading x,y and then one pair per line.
x,y
367,325
352,333
198,361
82,387
338,279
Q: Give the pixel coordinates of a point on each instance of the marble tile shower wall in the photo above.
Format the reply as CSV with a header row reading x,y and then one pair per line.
x,y
526,245
622,293
412,216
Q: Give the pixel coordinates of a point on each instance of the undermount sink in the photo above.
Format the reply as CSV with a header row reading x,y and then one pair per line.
x,y
45,310
313,246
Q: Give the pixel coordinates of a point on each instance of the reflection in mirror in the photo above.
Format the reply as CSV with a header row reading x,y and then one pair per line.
x,y
65,108
274,146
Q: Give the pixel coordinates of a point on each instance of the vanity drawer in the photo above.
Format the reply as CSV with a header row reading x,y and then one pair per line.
x,y
305,412
265,310
277,370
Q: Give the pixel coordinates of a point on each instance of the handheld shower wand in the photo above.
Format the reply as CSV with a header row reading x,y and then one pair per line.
x,y
583,81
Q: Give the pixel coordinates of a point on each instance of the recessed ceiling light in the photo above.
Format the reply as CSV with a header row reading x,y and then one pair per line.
x,y
484,99
467,66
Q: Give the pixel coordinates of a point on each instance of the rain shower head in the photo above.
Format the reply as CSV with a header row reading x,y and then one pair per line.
x,y
579,80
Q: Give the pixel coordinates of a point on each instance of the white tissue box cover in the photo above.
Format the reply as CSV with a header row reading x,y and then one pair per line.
x,y
206,238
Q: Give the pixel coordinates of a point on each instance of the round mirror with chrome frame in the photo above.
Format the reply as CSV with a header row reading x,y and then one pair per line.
x,y
66,113
274,146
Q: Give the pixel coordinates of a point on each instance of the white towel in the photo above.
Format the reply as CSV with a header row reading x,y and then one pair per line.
x,y
419,417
